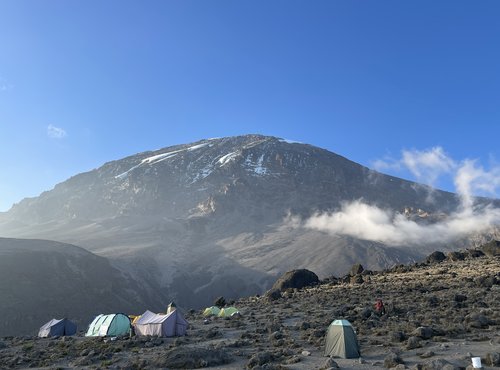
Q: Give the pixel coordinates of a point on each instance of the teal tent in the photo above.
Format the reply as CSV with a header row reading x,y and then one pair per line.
x,y
341,340
112,325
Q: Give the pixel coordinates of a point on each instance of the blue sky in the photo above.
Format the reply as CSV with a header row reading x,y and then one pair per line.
x,y
86,82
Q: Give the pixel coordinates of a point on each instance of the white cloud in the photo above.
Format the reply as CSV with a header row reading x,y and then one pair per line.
x,y
472,179
426,165
369,222
363,221
55,132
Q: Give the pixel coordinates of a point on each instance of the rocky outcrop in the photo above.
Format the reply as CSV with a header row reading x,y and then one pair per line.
x,y
296,279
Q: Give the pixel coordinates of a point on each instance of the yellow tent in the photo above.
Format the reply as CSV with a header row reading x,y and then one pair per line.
x,y
228,312
211,311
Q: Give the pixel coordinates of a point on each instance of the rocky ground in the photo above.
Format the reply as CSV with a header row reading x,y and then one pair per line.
x,y
440,313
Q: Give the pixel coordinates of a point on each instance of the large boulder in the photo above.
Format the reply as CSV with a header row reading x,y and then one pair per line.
x,y
456,256
435,257
296,279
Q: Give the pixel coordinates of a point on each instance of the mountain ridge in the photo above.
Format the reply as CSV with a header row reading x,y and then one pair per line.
x,y
41,279
216,217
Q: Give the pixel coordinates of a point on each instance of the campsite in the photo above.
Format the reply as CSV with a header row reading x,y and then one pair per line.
x,y
439,315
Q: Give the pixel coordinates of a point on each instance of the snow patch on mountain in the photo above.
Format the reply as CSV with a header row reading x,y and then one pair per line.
x,y
256,167
205,172
225,159
194,147
161,157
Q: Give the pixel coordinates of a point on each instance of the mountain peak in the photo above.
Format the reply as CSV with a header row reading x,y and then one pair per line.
x,y
191,217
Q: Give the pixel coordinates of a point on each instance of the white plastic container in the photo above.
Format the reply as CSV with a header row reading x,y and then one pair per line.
x,y
476,362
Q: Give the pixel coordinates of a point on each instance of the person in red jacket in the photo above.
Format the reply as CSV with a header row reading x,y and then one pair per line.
x,y
379,307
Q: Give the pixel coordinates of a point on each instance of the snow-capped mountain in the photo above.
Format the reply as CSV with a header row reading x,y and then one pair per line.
x,y
216,217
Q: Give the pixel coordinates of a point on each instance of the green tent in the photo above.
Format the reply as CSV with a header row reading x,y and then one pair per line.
x,y
341,340
228,312
211,311
113,325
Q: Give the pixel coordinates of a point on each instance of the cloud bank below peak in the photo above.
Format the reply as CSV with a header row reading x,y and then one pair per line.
x,y
369,222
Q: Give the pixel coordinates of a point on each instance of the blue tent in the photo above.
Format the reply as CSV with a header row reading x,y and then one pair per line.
x,y
57,327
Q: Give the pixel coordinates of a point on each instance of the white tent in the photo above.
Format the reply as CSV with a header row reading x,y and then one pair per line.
x,y
169,325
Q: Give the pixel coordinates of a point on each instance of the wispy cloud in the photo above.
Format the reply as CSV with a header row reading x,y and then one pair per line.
x,y
426,165
56,132
4,85
370,222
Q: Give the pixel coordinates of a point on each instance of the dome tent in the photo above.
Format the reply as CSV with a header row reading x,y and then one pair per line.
x,y
228,312
113,324
211,311
341,340
57,327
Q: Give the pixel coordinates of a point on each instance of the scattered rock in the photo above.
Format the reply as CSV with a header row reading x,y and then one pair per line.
x,y
478,321
259,359
273,294
399,367
439,365
292,360
412,343
357,279
392,360
427,354
329,364
398,336
492,359
423,332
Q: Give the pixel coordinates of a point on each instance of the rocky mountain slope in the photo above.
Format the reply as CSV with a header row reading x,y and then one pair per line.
x,y
439,314
40,280
217,217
